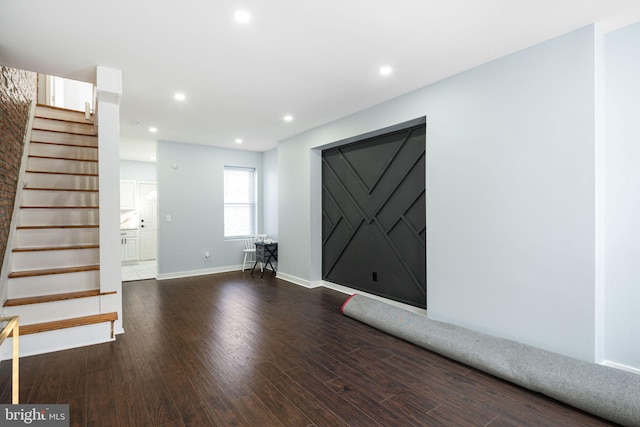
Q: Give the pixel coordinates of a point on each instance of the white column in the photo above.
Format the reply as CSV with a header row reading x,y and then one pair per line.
x,y
109,90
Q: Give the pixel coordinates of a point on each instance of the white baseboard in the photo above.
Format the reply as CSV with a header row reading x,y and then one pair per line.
x,y
203,272
351,291
620,366
346,290
298,281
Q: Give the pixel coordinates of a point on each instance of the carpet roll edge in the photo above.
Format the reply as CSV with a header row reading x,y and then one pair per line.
x,y
601,390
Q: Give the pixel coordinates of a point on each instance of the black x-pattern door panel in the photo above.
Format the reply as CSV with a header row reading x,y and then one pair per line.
x,y
374,219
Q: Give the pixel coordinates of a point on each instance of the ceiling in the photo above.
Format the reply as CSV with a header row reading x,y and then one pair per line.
x,y
314,60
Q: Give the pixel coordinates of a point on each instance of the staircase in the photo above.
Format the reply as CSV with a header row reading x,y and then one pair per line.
x,y
54,279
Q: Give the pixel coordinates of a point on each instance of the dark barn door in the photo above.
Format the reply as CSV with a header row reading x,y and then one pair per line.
x,y
374,215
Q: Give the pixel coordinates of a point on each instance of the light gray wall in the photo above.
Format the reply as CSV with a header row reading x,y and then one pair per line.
x,y
623,196
510,194
139,171
191,190
270,193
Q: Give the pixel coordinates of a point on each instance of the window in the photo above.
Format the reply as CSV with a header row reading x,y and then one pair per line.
x,y
239,201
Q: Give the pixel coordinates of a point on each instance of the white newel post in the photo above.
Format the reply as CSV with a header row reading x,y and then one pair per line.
x,y
109,90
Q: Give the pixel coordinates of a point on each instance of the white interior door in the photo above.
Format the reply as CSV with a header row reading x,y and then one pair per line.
x,y
148,206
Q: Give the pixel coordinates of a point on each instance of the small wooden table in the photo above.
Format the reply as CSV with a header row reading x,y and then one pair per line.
x,y
266,253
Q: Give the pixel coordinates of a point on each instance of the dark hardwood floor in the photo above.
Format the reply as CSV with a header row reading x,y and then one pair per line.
x,y
235,350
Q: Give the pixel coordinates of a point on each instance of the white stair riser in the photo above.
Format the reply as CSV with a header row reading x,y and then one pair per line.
x,y
61,166
75,182
59,198
65,151
53,284
56,310
63,339
63,138
58,217
54,113
40,260
61,126
29,238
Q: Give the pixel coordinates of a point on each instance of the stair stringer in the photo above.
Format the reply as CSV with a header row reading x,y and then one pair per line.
x,y
22,173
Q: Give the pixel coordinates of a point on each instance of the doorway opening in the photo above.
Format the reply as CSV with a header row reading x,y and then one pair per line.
x,y
138,219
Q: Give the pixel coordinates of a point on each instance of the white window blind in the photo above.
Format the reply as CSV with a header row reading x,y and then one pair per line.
x,y
239,201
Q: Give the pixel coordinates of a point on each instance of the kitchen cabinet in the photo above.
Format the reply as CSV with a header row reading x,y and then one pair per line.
x,y
127,194
129,247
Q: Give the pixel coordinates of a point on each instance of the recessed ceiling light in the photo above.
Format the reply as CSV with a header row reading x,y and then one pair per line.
x,y
153,157
180,96
287,118
238,141
242,16
386,70
153,129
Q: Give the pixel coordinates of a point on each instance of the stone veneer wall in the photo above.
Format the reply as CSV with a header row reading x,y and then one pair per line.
x,y
17,89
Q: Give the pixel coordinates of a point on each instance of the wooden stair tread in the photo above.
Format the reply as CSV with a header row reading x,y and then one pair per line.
x,y
63,173
44,227
68,323
55,248
55,297
48,271
59,131
55,107
82,120
32,156
44,121
58,207
59,189
62,131
67,145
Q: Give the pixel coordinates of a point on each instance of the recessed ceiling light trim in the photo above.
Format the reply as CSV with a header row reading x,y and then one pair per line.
x,y
288,118
242,16
153,129
179,96
386,70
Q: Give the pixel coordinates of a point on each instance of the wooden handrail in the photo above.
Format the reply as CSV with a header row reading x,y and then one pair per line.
x,y
12,327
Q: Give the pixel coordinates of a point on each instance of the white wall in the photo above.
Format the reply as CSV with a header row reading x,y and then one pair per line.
x,y
139,171
623,197
510,187
270,193
76,93
191,190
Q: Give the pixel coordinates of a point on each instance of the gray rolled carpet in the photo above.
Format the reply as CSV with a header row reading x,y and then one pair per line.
x,y
607,392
